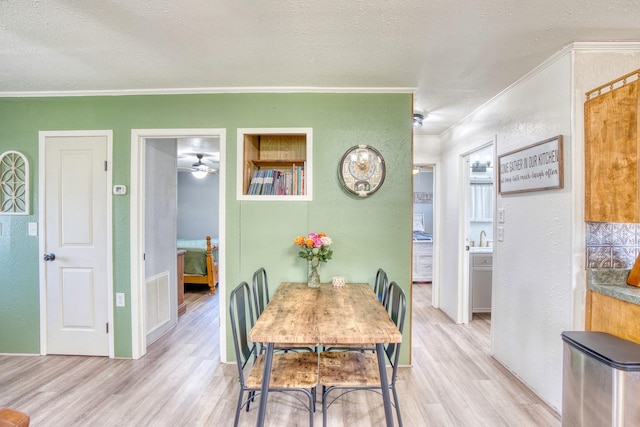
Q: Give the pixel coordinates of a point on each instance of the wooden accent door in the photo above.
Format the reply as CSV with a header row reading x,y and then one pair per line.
x,y
612,190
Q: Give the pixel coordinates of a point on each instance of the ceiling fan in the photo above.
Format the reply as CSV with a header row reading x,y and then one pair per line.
x,y
199,169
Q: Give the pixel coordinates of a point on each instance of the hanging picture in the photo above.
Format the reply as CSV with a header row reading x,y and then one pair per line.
x,y
422,197
14,183
533,168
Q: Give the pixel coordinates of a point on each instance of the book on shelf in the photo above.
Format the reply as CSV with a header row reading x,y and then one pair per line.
x,y
254,182
257,182
275,182
267,180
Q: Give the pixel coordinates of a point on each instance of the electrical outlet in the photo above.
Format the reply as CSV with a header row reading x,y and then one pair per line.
x,y
500,234
501,215
119,299
119,190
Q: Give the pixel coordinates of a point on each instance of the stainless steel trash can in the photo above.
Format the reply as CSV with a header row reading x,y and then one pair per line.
x,y
600,380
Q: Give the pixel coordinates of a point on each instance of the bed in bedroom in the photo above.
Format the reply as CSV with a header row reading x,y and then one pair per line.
x,y
200,265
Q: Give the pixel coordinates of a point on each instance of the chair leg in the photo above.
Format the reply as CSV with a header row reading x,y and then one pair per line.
x,y
250,397
312,406
325,394
238,408
395,398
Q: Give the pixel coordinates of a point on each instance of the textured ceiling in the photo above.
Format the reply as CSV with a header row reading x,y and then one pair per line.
x,y
454,55
189,148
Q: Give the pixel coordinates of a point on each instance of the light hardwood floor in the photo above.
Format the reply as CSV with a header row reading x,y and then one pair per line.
x,y
180,382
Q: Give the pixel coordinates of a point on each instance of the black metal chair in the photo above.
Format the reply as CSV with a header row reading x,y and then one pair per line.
x,y
381,286
290,372
260,285
350,371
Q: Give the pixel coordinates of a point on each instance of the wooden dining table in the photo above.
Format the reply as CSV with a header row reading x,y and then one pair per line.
x,y
327,315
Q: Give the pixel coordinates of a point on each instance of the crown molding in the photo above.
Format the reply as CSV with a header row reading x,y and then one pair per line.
x,y
607,45
206,90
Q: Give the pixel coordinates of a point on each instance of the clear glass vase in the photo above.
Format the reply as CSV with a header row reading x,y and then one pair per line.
x,y
313,280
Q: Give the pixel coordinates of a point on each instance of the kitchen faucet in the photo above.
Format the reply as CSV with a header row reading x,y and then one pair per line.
x,y
485,235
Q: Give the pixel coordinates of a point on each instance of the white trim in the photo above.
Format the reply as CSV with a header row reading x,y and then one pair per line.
x,y
207,90
464,291
606,46
138,137
435,280
42,136
577,187
136,221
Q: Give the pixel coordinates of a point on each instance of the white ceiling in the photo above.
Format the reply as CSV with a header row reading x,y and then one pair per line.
x,y
190,148
454,55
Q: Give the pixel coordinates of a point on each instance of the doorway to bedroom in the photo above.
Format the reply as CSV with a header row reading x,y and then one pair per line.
x,y
170,201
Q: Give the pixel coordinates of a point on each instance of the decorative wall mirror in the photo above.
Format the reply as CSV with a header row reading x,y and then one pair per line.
x,y
14,183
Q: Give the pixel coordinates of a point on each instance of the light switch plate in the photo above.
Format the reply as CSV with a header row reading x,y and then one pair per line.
x,y
500,234
501,215
119,190
120,299
33,229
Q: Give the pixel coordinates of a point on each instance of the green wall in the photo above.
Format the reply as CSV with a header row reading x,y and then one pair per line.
x,y
367,233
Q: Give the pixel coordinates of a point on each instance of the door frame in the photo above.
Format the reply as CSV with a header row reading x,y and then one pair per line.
x,y
137,228
464,285
435,274
42,136
435,280
463,261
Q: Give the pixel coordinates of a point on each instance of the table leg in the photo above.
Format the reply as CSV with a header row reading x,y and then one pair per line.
x,y
266,378
384,382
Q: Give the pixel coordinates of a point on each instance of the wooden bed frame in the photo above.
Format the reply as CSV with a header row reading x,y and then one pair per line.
x,y
211,279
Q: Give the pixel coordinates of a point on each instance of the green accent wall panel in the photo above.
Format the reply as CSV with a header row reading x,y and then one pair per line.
x,y
368,233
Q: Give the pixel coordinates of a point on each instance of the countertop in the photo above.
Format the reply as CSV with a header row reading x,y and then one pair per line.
x,y
613,282
480,250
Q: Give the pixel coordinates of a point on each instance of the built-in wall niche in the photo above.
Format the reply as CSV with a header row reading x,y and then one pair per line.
x,y
14,183
275,164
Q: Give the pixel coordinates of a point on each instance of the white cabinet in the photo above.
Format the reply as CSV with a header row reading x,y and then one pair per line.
x,y
422,261
481,270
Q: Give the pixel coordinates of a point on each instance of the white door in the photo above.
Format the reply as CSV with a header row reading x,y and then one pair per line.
x,y
75,244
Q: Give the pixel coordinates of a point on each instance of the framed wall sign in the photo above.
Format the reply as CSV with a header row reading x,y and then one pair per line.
x,y
533,168
422,197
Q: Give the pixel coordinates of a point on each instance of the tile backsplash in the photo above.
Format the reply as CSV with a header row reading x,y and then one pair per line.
x,y
612,245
